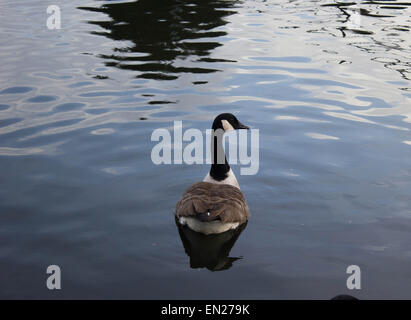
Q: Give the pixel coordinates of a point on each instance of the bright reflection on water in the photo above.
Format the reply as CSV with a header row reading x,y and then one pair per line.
x,y
327,84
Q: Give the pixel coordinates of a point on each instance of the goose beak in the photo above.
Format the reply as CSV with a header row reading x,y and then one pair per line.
x,y
242,126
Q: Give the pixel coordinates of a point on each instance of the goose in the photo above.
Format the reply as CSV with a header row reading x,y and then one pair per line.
x,y
216,204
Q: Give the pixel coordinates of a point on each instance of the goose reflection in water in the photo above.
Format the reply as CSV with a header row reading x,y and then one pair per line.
x,y
210,251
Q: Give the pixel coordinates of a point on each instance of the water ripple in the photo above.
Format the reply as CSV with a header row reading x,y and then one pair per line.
x,y
327,83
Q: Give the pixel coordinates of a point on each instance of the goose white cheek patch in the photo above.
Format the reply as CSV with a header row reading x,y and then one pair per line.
x,y
227,125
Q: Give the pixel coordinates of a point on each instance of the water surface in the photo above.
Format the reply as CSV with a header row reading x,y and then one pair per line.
x,y
328,86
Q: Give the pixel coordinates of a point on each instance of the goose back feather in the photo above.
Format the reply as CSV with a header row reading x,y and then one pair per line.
x,y
210,201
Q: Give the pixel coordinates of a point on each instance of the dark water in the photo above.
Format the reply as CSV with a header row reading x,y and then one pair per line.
x,y
327,85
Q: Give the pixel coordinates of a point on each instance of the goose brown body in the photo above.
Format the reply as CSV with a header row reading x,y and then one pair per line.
x,y
209,202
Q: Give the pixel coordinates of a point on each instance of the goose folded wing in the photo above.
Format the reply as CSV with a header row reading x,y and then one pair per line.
x,y
221,201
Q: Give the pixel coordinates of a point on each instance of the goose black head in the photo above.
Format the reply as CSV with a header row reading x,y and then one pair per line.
x,y
227,122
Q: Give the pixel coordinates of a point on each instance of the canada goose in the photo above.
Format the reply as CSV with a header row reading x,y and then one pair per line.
x,y
216,204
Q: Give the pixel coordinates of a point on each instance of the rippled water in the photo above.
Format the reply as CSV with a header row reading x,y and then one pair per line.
x,y
327,85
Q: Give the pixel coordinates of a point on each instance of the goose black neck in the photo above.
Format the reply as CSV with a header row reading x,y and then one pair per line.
x,y
219,167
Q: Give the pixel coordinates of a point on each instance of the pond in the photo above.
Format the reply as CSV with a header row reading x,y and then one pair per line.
x,y
327,84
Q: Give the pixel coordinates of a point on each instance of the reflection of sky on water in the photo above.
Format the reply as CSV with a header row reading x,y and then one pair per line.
x,y
329,91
